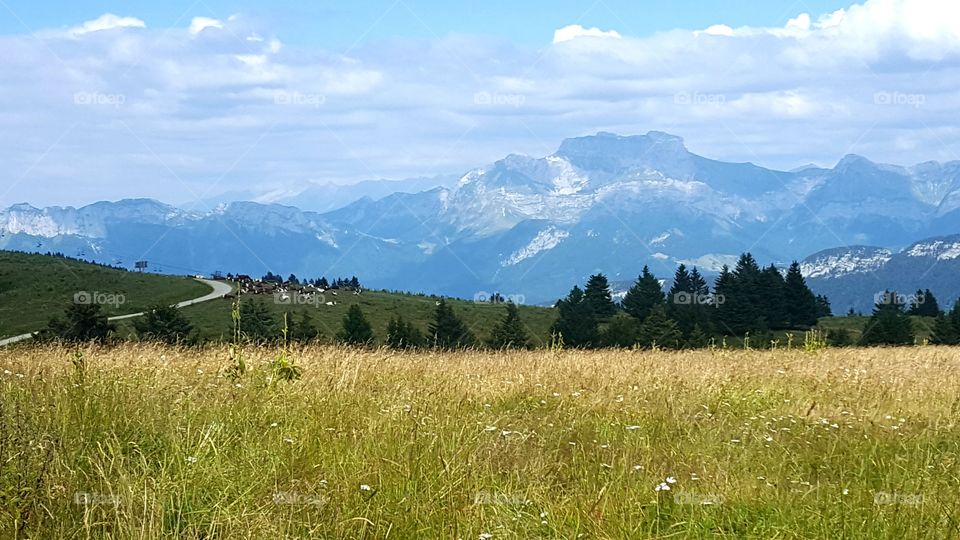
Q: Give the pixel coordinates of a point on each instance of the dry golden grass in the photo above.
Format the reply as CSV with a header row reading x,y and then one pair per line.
x,y
147,442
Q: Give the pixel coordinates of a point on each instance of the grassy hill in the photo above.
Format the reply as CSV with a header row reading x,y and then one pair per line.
x,y
34,288
212,319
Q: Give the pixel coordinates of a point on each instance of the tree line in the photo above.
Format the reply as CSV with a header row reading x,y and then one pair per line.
x,y
745,300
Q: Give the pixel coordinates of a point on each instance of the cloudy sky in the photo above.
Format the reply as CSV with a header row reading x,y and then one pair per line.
x,y
182,100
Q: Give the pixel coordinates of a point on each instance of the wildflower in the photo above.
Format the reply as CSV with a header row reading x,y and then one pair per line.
x,y
191,459
671,480
274,424
768,438
633,428
638,467
735,441
238,385
846,491
604,446
663,486
490,428
7,372
288,440
485,536
365,487
199,372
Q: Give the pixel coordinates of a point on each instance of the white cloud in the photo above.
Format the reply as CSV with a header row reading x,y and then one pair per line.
x,y
199,24
878,78
108,21
718,30
574,31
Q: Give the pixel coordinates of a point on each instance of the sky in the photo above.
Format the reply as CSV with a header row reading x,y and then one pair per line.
x,y
184,100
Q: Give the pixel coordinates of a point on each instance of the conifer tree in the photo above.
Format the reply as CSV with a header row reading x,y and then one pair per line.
x,y
645,294
944,331
659,330
889,324
577,324
771,295
623,331
697,338
356,329
257,323
799,300
598,296
401,334
448,331
924,304
82,323
510,332
163,323
303,331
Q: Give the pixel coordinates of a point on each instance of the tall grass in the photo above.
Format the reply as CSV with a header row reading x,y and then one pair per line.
x,y
149,442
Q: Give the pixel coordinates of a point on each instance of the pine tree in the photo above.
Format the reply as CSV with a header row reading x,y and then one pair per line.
x,y
744,308
823,307
510,332
645,294
402,334
772,290
165,324
889,324
82,323
944,331
577,323
599,297
724,288
323,283
924,304
697,338
623,331
303,331
659,331
799,300
356,329
683,300
257,324
447,331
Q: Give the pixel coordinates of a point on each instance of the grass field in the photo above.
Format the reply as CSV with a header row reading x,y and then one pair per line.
x,y
149,442
212,319
34,288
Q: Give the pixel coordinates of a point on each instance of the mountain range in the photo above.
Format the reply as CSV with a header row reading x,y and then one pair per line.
x,y
532,227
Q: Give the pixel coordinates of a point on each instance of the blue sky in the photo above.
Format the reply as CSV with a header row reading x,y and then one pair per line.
x,y
186,100
345,23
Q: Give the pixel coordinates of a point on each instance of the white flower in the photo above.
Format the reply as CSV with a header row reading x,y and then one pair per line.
x,y
288,440
638,467
846,491
238,385
490,428
671,480
633,428
365,487
199,372
274,424
7,372
191,459
505,433
485,536
662,487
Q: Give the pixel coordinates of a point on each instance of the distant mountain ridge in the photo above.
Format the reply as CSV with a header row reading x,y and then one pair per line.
x,y
535,226
852,277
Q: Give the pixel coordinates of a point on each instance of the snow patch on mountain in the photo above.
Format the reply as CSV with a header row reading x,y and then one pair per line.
x,y
838,263
941,250
712,261
545,240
